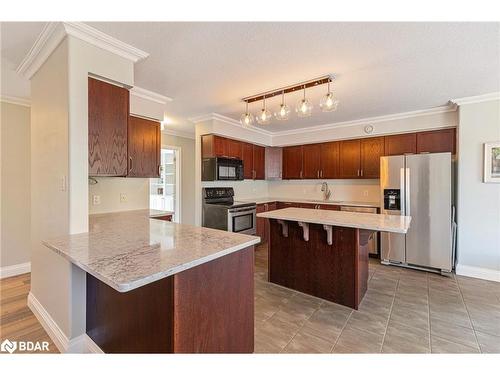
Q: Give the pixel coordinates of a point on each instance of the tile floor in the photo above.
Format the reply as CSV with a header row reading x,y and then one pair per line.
x,y
403,311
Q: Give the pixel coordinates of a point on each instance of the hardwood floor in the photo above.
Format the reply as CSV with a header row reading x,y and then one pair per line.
x,y
17,322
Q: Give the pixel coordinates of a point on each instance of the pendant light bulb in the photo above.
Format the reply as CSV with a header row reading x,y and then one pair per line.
x,y
264,117
304,106
246,118
328,102
284,110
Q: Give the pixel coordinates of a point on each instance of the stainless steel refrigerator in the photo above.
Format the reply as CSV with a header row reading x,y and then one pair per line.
x,y
419,186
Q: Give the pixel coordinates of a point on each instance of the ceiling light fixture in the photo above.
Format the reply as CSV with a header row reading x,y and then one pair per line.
x,y
328,102
264,117
246,118
284,111
304,106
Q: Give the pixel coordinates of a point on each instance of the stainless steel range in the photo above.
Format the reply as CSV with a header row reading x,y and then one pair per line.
x,y
220,211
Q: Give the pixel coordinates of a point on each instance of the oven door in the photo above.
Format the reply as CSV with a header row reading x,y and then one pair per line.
x,y
242,220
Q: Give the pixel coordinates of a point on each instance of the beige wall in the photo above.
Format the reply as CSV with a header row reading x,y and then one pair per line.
x,y
15,179
478,203
109,190
187,146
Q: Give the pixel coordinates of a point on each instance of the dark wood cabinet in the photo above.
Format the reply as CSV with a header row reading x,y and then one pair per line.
x,y
108,111
262,223
144,145
371,151
280,205
400,144
233,148
311,159
350,159
292,162
247,157
259,162
436,141
331,207
329,160
216,146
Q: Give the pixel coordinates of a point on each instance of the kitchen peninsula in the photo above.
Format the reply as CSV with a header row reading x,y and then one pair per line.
x,y
160,287
323,252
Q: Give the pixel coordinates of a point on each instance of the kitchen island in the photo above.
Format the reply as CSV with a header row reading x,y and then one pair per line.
x,y
324,253
160,287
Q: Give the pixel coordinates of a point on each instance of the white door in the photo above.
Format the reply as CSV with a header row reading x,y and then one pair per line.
x,y
164,191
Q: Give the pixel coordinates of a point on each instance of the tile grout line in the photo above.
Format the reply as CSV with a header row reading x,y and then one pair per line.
x,y
342,330
390,314
429,313
468,314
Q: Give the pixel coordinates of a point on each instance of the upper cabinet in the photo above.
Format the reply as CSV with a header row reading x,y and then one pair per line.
x,y
108,107
350,158
274,163
330,160
144,147
259,162
311,159
401,144
247,157
436,141
119,144
371,151
292,162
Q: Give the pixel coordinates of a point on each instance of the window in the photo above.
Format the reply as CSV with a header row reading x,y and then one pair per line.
x,y
164,191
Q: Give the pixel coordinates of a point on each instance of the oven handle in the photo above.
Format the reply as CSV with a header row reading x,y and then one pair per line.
x,y
242,211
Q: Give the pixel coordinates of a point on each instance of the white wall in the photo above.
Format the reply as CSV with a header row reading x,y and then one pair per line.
x,y
15,185
478,203
187,148
109,190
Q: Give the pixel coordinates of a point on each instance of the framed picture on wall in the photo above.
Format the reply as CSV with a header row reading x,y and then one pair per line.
x,y
492,162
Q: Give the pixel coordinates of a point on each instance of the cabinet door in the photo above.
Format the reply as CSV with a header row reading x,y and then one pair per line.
x,y
247,157
329,160
307,205
436,141
400,144
261,224
143,147
311,159
280,205
259,162
292,162
350,159
274,163
233,148
108,107
272,206
220,146
331,207
371,151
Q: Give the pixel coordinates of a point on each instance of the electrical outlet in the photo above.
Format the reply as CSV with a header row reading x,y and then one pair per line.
x,y
96,199
365,193
123,197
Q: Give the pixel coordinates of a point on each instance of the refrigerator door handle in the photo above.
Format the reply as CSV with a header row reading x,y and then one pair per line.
x,y
402,198
407,192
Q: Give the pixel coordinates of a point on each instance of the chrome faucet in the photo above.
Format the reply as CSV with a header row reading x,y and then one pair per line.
x,y
326,191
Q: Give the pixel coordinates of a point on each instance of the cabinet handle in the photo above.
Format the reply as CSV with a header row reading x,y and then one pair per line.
x,y
300,174
361,173
358,172
322,173
130,164
159,170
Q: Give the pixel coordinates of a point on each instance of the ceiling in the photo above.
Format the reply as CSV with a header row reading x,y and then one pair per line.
x,y
381,68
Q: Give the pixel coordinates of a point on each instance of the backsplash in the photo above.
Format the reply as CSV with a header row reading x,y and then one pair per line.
x,y
342,190
110,191
242,189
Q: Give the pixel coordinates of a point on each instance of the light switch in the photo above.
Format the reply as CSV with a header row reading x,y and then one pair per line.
x,y
96,199
123,197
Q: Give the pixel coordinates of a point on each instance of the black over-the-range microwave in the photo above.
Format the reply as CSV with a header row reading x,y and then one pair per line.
x,y
221,169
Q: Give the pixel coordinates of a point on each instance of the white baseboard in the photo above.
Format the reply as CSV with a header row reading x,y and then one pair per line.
x,y
79,344
478,273
14,270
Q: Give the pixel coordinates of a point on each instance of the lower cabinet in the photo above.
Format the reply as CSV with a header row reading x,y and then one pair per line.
x,y
262,223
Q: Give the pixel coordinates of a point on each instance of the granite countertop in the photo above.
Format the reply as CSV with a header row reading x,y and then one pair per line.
x,y
129,249
377,222
261,200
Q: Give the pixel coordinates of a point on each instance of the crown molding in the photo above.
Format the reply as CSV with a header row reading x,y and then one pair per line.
x,y
228,120
178,133
15,100
476,98
149,95
54,32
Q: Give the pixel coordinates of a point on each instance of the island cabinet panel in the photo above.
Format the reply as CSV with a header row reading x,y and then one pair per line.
x,y
436,141
108,108
214,306
259,162
205,309
337,272
330,160
292,162
247,157
400,144
144,147
350,159
371,151
311,159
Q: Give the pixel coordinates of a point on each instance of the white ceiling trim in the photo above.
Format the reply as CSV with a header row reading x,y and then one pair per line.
x,y
228,120
149,95
476,98
54,32
178,133
15,100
